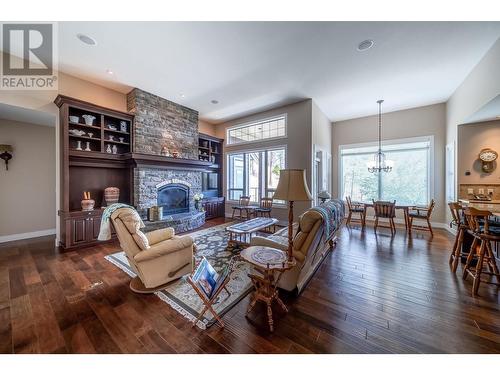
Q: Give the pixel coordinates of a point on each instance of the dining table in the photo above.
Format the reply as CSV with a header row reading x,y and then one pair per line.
x,y
403,207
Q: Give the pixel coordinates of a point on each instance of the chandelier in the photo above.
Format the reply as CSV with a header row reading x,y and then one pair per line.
x,y
379,163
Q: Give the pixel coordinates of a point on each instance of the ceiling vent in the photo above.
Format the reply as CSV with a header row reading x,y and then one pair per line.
x,y
365,44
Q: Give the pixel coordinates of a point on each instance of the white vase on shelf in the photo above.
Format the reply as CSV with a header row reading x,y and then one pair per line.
x,y
108,149
115,149
88,147
79,145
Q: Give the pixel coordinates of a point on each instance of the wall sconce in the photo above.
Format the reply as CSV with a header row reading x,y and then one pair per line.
x,y
5,154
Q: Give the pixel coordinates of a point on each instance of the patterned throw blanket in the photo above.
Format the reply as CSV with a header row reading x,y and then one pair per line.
x,y
105,230
333,213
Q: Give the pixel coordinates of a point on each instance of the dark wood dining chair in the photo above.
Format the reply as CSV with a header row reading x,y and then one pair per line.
x,y
355,208
242,205
265,207
385,210
423,214
458,222
484,235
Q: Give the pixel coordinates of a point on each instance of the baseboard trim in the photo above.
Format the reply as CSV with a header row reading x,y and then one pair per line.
x,y
23,236
434,224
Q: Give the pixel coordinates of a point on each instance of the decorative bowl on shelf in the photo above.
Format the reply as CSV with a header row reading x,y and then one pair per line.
x,y
74,119
87,204
77,132
111,137
112,127
121,139
89,119
111,195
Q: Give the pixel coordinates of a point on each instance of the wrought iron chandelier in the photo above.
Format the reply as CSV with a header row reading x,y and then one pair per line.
x,y
379,162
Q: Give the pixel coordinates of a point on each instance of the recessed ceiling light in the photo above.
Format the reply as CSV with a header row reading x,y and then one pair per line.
x,y
214,101
110,72
87,39
365,44
182,96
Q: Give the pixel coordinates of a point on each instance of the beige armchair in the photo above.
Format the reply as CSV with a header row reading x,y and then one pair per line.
x,y
310,247
156,257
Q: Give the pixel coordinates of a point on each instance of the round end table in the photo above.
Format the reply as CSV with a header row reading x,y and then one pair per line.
x,y
270,263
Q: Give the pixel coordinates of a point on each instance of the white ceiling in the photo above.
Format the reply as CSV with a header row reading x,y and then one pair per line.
x,y
30,116
252,66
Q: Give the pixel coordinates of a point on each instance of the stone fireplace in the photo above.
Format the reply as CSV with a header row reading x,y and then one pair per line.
x,y
173,198
159,180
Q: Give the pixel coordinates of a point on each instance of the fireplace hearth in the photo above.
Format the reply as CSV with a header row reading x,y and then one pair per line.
x,y
174,198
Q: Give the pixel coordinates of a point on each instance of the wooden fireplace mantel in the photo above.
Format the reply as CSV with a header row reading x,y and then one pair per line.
x,y
168,162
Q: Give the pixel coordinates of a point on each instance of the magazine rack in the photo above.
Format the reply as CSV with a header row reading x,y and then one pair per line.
x,y
209,302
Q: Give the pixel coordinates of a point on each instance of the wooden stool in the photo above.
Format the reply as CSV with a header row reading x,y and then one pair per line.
x,y
461,224
483,236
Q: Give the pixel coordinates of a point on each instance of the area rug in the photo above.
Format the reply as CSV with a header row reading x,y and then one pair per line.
x,y
212,244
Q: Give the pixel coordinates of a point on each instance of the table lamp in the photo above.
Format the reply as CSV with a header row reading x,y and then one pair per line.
x,y
324,196
292,187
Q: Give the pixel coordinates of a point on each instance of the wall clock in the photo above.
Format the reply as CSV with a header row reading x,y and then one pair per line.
x,y
488,157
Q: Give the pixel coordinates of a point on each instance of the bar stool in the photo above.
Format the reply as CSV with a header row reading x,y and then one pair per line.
x,y
460,223
483,236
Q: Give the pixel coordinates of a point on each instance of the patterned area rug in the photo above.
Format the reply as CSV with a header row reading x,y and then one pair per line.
x,y
212,244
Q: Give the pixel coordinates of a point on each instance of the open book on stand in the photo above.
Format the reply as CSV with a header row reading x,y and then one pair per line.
x,y
208,283
207,279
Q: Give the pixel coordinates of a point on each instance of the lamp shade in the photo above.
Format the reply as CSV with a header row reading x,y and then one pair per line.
x,y
324,195
292,186
5,148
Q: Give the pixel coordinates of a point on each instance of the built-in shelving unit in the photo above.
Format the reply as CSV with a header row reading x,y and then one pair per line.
x,y
210,149
89,162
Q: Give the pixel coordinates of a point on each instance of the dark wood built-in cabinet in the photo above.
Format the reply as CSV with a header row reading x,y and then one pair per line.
x,y
210,149
92,170
214,207
96,169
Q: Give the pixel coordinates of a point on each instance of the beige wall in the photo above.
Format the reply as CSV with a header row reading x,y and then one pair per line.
x,y
298,143
415,122
206,128
472,138
322,141
480,87
28,188
69,86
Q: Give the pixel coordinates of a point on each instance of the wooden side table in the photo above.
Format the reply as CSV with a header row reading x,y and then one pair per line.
x,y
270,264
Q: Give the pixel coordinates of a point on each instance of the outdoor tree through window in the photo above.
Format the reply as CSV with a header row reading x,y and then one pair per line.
x,y
255,173
407,183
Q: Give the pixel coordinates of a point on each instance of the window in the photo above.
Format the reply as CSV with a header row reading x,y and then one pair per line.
x,y
254,173
409,182
236,176
257,131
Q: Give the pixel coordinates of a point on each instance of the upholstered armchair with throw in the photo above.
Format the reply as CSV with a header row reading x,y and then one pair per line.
x,y
157,257
310,246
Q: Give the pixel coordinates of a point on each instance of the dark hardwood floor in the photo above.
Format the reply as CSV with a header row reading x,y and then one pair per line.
x,y
373,294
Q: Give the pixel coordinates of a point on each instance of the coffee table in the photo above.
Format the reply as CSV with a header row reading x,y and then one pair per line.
x,y
241,233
